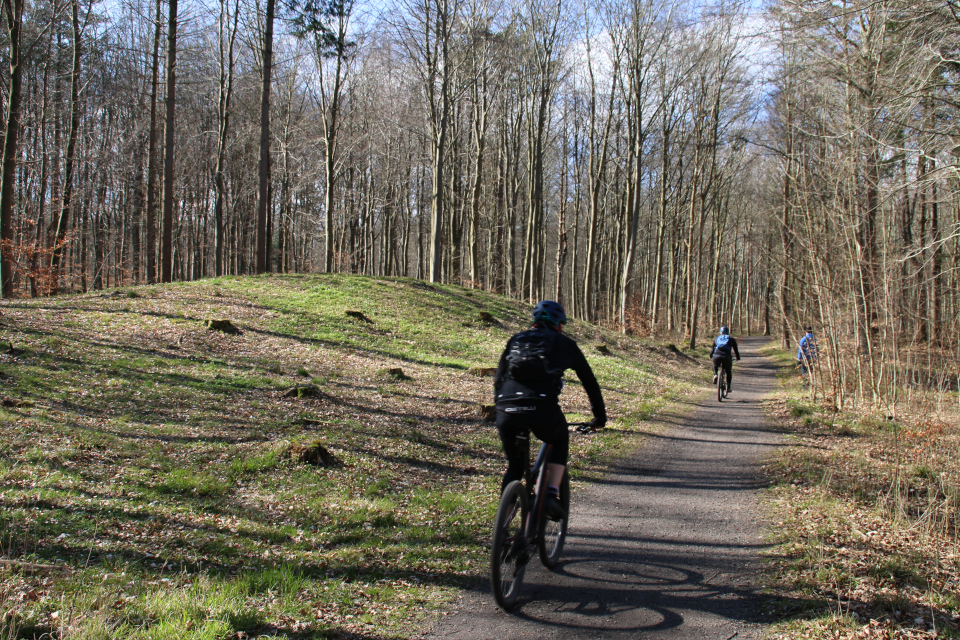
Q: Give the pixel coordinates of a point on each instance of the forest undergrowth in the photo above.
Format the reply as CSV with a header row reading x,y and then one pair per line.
x,y
320,472
865,517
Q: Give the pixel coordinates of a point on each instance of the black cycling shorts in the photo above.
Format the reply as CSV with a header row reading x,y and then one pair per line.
x,y
545,420
726,361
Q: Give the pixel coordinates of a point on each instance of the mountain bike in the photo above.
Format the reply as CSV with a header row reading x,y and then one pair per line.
x,y
521,526
722,384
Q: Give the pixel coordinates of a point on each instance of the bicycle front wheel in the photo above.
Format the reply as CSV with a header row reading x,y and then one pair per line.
x,y
508,559
553,533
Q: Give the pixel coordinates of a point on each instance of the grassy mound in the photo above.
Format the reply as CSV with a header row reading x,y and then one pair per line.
x,y
152,476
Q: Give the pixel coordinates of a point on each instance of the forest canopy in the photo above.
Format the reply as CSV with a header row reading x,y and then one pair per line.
x,y
662,166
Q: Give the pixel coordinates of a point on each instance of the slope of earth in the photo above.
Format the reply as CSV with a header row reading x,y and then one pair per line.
x,y
323,471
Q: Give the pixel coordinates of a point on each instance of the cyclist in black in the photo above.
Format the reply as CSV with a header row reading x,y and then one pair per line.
x,y
526,391
722,352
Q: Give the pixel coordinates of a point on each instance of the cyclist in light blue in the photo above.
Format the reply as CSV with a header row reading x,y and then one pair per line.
x,y
722,352
807,353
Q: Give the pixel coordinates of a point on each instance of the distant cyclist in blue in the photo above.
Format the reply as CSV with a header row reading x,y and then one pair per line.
x,y
808,352
722,352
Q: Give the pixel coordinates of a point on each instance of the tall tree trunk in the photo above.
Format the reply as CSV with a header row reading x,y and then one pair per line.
x,y
263,173
13,13
480,136
64,217
166,242
936,264
151,196
223,112
661,221
42,188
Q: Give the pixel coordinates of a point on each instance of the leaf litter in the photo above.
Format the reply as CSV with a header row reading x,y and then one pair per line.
x,y
865,521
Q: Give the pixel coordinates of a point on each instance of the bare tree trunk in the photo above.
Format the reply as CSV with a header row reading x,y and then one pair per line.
x,y
166,242
936,264
599,148
223,113
480,138
263,172
13,13
666,132
44,177
64,217
151,196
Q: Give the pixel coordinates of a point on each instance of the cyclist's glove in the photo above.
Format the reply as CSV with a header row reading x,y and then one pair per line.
x,y
598,423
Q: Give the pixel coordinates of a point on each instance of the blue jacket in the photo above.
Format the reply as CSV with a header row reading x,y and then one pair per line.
x,y
808,350
726,350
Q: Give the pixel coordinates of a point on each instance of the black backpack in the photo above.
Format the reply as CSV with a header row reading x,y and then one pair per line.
x,y
528,360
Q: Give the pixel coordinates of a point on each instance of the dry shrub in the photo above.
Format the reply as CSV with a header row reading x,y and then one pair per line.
x,y
637,322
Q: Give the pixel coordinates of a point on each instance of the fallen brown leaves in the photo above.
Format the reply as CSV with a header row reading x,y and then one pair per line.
x,y
865,519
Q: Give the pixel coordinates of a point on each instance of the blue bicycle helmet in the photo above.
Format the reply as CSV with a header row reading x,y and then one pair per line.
x,y
550,313
724,331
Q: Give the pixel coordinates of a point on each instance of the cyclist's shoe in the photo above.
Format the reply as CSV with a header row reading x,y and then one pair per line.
x,y
552,506
714,378
523,557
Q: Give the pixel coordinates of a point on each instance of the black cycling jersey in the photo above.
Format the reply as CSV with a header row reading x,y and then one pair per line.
x,y
565,355
534,406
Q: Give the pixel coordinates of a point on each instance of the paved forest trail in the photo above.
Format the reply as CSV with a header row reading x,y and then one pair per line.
x,y
667,546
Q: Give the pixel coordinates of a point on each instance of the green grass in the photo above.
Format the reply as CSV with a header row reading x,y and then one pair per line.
x,y
155,459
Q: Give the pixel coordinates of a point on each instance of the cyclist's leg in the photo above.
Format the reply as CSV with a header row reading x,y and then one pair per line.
x,y
514,436
718,361
551,427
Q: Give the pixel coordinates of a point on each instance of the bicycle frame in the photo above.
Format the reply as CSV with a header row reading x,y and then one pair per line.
x,y
536,478
513,546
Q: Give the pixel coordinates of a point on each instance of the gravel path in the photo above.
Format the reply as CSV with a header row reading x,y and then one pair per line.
x,y
666,546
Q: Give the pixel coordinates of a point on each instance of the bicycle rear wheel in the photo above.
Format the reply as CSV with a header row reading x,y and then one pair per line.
x,y
508,556
721,384
553,533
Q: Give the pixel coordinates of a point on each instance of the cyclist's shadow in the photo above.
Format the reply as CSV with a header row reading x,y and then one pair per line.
x,y
628,592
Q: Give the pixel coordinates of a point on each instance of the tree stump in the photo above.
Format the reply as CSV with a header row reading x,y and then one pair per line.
x,y
604,349
487,318
488,412
302,391
313,453
395,373
482,372
221,325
